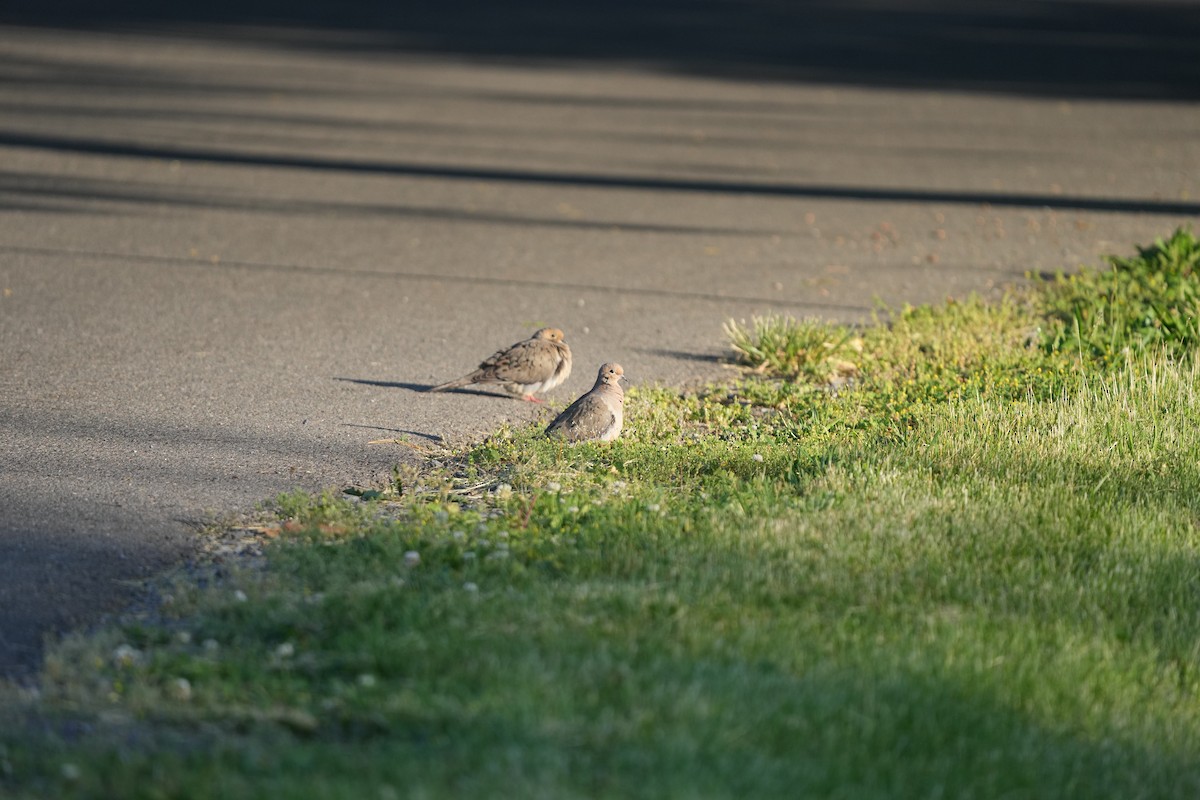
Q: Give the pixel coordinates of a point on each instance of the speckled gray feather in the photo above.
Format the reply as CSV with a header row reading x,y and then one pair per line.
x,y
597,415
536,364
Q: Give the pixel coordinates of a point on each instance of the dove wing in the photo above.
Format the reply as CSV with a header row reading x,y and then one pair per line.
x,y
530,361
587,418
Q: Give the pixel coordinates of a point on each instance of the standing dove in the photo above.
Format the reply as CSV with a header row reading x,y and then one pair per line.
x,y
537,364
599,414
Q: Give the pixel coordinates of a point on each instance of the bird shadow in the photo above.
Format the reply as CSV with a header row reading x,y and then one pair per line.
x,y
423,387
433,437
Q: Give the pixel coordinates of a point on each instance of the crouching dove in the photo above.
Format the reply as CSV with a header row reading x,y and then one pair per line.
x,y
599,414
537,364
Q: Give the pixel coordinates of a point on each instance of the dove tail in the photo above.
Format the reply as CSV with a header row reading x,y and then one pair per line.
x,y
454,384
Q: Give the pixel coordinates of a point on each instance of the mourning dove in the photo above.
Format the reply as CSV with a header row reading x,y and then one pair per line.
x,y
537,364
599,414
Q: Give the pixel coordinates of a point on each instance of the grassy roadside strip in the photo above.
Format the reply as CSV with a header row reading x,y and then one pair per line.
x,y
951,555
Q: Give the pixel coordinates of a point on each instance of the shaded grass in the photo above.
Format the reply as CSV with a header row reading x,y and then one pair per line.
x,y
926,583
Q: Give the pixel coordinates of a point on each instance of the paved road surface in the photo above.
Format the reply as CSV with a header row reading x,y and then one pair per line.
x,y
229,255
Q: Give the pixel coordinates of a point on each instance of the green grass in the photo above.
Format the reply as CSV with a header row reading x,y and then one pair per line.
x,y
968,570
1148,300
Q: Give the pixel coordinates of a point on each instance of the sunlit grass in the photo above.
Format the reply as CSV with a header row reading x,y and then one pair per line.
x,y
1151,299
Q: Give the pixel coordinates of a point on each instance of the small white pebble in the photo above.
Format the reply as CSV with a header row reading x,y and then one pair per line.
x,y
69,772
366,680
412,558
240,596
180,689
470,587
757,457
285,650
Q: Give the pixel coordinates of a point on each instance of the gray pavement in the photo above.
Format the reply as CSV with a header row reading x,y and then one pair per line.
x,y
229,259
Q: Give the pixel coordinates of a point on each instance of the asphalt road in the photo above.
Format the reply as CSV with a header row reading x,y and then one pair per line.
x,y
231,254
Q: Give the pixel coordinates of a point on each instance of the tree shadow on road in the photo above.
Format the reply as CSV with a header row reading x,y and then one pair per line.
x,y
597,180
683,355
1083,48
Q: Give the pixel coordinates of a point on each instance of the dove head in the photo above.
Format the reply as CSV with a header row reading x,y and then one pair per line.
x,y
549,334
610,375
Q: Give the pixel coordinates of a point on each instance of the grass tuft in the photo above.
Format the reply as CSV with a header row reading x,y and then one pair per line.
x,y
812,349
